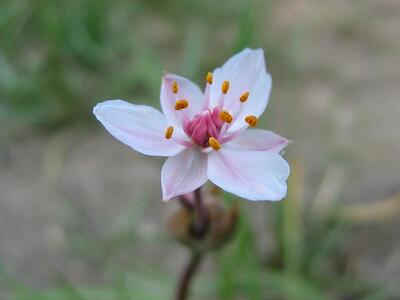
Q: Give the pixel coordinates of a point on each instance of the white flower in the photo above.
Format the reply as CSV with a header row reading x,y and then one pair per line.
x,y
206,136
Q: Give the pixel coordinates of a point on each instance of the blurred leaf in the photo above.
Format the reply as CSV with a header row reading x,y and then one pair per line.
x,y
247,25
377,211
192,54
230,272
292,221
299,287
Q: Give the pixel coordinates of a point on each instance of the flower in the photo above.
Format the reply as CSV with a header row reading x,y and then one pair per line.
x,y
206,136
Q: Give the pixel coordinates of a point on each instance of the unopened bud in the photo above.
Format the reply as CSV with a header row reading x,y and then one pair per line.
x,y
222,223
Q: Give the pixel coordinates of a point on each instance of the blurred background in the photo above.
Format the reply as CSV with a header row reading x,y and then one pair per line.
x,y
80,213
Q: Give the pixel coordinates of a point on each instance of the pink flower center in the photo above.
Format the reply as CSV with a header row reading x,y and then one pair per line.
x,y
204,125
209,128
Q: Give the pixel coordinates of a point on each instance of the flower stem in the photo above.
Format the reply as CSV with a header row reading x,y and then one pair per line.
x,y
201,220
186,202
187,276
198,230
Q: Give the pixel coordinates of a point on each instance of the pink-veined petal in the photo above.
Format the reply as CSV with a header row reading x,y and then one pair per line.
x,y
253,175
256,103
258,140
187,90
246,72
183,173
139,126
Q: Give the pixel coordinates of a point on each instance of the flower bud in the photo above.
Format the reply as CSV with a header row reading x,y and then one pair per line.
x,y
221,226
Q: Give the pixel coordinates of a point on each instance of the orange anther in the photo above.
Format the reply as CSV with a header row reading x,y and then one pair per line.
x,y
169,132
213,142
209,77
175,87
244,97
225,116
181,104
225,86
251,120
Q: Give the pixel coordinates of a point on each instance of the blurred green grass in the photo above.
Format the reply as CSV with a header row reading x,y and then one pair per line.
x,y
57,59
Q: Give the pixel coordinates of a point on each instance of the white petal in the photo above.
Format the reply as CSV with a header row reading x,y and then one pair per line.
x,y
259,140
253,175
183,173
186,90
139,126
246,72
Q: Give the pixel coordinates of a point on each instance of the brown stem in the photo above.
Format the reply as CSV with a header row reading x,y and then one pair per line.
x,y
186,203
187,276
201,220
198,230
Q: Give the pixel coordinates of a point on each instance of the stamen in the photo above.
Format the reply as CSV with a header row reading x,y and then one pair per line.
x,y
233,135
209,78
213,142
244,97
251,120
225,86
206,102
181,104
169,132
225,116
175,87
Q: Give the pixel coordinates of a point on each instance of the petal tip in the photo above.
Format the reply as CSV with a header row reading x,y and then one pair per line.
x,y
169,76
286,142
168,196
165,200
253,50
97,109
100,105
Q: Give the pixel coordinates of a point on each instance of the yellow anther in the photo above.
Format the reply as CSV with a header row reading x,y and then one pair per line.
x,y
251,120
209,77
244,97
169,132
175,87
225,86
181,104
225,116
213,142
